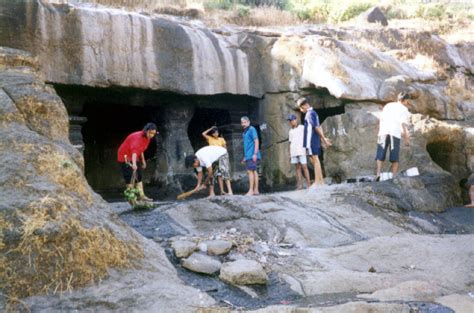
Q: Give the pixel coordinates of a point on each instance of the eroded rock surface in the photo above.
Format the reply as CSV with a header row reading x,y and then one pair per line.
x,y
202,263
243,272
52,222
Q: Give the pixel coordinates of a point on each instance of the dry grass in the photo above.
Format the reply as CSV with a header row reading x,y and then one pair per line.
x,y
56,253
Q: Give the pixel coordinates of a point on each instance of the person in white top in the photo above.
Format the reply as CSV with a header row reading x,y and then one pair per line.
x,y
297,151
207,157
393,123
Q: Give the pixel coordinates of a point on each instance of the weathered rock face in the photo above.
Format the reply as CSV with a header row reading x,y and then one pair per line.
x,y
354,137
243,272
98,47
50,219
202,263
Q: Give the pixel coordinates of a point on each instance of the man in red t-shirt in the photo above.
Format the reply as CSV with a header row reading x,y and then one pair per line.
x,y
128,153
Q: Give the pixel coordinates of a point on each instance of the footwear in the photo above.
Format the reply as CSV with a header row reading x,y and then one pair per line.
x,y
142,196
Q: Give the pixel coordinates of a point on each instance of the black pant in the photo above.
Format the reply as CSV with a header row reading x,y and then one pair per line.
x,y
127,172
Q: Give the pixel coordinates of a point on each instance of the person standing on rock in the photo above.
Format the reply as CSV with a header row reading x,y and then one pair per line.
x,y
129,153
214,159
313,135
297,151
393,122
251,154
212,137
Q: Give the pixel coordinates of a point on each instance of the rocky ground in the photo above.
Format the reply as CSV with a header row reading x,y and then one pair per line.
x,y
328,249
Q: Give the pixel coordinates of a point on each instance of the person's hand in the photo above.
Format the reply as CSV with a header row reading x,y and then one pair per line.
x,y
254,157
202,187
243,161
143,165
326,142
134,166
407,141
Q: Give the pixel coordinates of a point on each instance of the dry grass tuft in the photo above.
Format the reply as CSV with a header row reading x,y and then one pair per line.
x,y
56,253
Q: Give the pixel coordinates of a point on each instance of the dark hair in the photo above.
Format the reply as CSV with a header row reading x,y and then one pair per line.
x,y
149,126
189,160
213,130
402,96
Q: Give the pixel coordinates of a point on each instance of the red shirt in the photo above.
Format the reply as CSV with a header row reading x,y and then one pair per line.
x,y
135,143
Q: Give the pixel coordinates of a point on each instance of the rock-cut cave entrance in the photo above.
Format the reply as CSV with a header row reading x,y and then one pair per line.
x,y
101,118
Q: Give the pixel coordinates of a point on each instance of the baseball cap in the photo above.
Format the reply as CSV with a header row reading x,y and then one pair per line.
x,y
291,117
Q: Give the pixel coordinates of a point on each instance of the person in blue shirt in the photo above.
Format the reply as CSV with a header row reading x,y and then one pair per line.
x,y
313,136
251,154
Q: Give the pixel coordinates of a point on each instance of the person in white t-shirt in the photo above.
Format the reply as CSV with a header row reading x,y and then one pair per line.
x,y
297,151
393,123
211,158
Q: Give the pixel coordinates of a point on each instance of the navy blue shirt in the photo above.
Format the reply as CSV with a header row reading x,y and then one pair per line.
x,y
249,135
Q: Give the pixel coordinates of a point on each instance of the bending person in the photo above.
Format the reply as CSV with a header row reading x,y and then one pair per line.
x,y
215,140
132,160
213,159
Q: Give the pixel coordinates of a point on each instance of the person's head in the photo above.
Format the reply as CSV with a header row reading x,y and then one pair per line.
x,y
245,122
191,161
149,131
403,97
214,132
303,104
293,120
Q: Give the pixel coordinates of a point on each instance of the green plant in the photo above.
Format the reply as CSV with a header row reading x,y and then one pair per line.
x,y
131,195
343,13
219,4
242,10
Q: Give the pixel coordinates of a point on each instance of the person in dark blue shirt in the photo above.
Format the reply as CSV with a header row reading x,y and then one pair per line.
x,y
251,154
313,135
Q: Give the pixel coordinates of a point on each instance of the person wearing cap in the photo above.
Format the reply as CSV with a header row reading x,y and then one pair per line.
x,y
297,151
212,158
251,154
129,152
213,139
393,122
313,137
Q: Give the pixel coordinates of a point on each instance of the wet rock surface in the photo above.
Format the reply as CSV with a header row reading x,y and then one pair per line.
x,y
321,244
183,248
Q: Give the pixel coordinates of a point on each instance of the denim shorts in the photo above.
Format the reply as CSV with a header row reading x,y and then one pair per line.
x,y
250,165
299,159
386,144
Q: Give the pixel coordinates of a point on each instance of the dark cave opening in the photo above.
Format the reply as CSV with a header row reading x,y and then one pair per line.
x,y
440,152
205,118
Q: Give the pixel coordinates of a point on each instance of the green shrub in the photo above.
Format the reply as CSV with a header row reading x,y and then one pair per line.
x,y
219,4
342,13
435,12
242,10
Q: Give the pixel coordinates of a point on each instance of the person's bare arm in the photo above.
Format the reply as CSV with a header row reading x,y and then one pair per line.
x,y
142,156
406,134
255,151
134,161
199,180
204,133
326,141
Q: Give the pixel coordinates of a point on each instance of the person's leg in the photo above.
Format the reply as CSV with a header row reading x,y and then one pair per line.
x,y
471,196
306,175
139,185
318,172
229,187
394,154
382,146
299,183
221,184
395,166
255,185
211,191
251,182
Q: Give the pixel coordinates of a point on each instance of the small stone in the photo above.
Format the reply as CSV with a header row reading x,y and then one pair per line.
x,y
201,263
183,248
372,270
218,247
202,247
243,272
